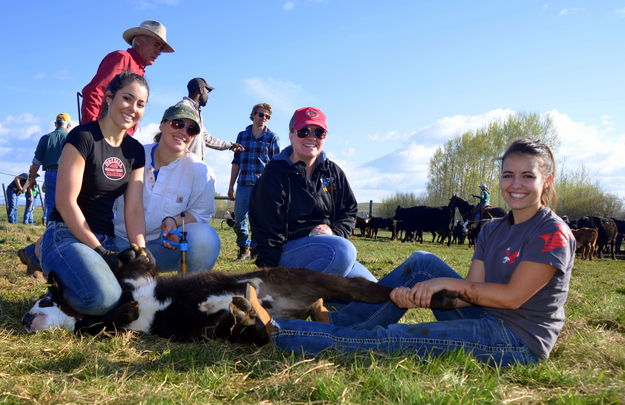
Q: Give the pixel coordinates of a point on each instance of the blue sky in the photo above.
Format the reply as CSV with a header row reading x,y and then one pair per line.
x,y
396,78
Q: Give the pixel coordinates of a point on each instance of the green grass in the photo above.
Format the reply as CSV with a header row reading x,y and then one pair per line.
x,y
55,367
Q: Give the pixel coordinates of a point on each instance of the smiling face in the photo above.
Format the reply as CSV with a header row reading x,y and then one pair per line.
x,y
127,106
174,137
522,184
306,149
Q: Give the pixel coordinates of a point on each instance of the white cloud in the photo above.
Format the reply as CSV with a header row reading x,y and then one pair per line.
x,y
149,4
28,131
25,118
62,74
598,149
282,95
146,133
569,11
389,136
620,11
405,170
289,5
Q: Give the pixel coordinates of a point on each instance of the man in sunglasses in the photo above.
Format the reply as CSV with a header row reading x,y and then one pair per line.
x,y
302,208
260,146
198,97
147,42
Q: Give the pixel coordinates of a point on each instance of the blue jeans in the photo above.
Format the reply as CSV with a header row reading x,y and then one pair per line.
x,y
28,210
49,181
360,326
241,208
326,254
89,285
12,200
204,245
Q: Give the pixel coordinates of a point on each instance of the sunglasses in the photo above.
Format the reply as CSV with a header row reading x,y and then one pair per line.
x,y
263,115
192,129
320,133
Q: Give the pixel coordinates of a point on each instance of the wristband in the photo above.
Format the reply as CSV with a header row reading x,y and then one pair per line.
x,y
166,218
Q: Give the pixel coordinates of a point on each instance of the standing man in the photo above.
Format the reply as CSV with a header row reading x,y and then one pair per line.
x,y
198,91
260,145
30,194
47,155
14,190
147,42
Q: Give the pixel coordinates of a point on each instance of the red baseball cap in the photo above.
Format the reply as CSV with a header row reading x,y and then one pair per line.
x,y
308,116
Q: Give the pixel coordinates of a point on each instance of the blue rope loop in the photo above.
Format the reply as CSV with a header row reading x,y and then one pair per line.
x,y
183,246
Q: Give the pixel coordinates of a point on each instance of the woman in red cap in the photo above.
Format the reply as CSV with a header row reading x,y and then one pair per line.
x,y
302,208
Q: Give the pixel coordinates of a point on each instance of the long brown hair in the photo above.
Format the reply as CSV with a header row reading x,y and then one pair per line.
x,y
120,81
547,165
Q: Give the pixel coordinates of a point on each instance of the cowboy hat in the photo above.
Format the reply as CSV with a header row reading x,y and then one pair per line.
x,y
152,29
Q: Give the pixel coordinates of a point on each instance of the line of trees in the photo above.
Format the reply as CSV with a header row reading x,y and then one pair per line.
x,y
466,161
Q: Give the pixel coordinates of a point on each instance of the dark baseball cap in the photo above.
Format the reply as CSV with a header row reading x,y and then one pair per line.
x,y
197,83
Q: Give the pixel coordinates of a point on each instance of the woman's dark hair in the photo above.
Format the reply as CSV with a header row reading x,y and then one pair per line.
x,y
121,80
547,165
157,137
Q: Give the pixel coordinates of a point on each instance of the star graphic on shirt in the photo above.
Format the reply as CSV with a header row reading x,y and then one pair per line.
x,y
554,240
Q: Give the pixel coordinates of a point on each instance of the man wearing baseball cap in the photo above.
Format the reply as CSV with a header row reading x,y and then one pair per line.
x,y
147,42
47,154
302,208
198,91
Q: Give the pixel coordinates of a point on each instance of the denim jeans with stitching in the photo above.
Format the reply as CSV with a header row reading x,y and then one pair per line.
x,y
361,326
325,254
49,181
89,285
28,218
204,245
12,205
241,208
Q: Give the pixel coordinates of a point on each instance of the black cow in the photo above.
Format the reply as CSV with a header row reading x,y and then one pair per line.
x,y
377,223
421,219
607,232
361,223
459,233
473,230
620,227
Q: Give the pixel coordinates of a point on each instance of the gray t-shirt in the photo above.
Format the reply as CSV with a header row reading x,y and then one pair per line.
x,y
544,238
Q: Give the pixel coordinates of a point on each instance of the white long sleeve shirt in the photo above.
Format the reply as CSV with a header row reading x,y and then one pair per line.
x,y
186,184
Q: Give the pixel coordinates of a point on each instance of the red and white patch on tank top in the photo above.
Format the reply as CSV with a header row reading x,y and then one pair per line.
x,y
114,169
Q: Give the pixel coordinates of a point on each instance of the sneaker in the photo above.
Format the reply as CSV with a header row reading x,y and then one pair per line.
x,y
244,253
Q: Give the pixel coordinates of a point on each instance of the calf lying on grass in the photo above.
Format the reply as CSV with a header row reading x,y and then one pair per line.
x,y
206,305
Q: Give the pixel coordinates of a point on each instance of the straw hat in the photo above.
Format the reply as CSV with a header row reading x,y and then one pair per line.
x,y
152,29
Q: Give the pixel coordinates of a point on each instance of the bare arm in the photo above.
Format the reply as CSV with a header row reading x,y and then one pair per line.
x,y
234,173
32,174
69,183
134,216
527,280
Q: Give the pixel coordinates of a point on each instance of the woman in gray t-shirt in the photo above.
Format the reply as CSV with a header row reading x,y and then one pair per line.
x,y
510,307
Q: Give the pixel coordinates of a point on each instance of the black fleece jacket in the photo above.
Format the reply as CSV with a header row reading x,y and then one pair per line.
x,y
285,205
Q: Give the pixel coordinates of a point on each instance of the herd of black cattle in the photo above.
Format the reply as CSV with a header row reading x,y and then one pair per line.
x,y
598,234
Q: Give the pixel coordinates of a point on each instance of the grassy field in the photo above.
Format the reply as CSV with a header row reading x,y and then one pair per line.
x,y
56,367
